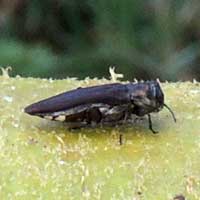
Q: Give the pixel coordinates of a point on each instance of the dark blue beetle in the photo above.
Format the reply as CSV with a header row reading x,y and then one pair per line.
x,y
109,103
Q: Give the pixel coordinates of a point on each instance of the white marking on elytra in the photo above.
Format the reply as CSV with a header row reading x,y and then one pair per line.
x,y
48,117
79,109
61,115
60,118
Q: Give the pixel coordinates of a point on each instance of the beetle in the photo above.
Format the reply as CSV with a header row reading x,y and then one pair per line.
x,y
103,104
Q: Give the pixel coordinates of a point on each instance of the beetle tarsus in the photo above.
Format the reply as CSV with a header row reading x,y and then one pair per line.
x,y
150,124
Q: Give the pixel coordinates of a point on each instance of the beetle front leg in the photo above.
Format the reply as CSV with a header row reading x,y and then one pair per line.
x,y
150,124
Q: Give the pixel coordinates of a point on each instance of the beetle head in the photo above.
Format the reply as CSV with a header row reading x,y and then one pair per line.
x,y
147,97
155,95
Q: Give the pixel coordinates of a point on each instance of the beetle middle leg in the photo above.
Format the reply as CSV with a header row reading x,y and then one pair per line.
x,y
150,124
117,115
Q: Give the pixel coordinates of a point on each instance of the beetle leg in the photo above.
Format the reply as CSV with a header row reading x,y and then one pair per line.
x,y
150,124
120,138
93,115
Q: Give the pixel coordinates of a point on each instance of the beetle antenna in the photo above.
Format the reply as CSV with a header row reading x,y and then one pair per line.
x,y
170,110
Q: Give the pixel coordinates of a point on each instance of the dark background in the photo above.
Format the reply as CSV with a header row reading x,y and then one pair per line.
x,y
145,39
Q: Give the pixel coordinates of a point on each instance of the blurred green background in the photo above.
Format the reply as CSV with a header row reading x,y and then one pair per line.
x,y
145,39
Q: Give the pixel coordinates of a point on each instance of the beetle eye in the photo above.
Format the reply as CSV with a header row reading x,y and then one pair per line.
x,y
159,95
152,91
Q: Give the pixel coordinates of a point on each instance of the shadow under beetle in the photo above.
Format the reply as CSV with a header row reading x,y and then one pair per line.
x,y
103,104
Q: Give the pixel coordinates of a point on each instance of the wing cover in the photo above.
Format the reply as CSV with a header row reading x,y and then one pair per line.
x,y
111,94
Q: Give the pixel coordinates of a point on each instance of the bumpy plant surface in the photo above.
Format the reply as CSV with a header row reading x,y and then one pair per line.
x,y
41,159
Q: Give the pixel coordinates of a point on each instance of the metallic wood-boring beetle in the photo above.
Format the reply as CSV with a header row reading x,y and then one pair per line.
x,y
103,104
